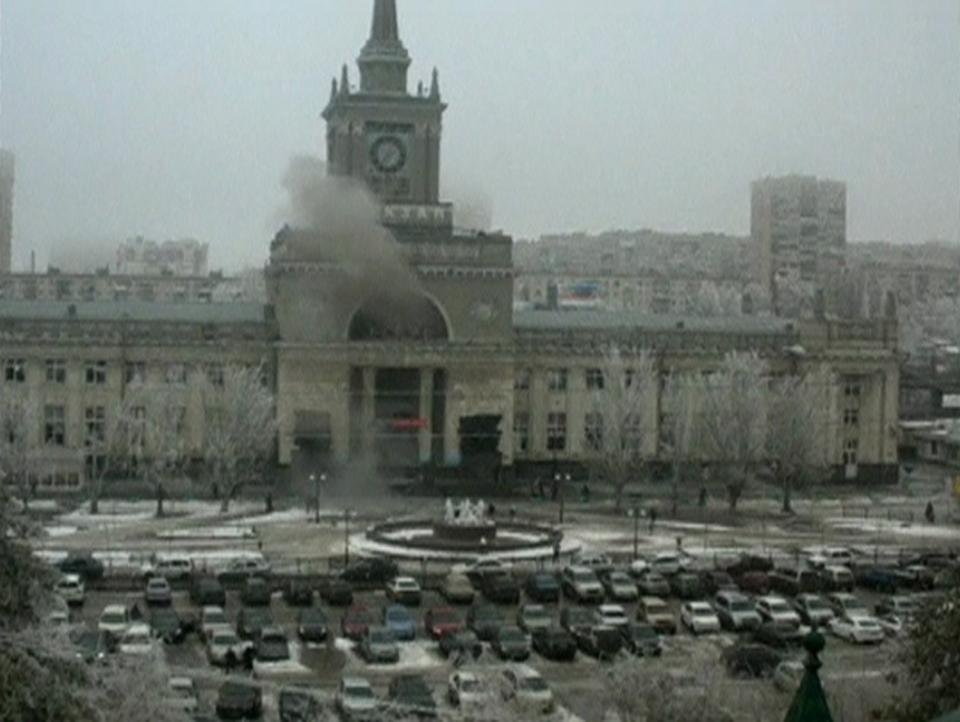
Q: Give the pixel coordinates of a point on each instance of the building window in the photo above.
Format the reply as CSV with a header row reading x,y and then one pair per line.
x,y
852,390
96,372
96,423
54,426
56,371
521,381
557,379
632,433
593,431
556,432
176,374
521,432
850,449
851,417
15,370
595,379
215,374
134,372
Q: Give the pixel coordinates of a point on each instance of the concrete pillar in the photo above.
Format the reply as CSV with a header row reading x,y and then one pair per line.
x,y
425,435
451,425
368,410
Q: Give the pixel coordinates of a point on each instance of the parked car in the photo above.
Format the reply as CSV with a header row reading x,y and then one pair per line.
x,y
465,691
479,568
756,583
297,593
859,630
620,587
837,579
917,577
158,591
463,643
500,588
298,705
580,585
355,699
527,689
779,635
791,582
167,625
400,622
654,611
531,617
813,610
511,644
900,605
92,646
599,563
748,563
600,641
699,617
238,570
668,563
114,620
136,640
207,591
379,646
542,587
735,611
653,584
892,625
355,622
255,592
272,645
847,605
211,619
555,643
410,695
312,625
71,589
439,621
788,675
222,642
82,564
685,586
375,570
239,700
877,578
337,593
641,640
576,619
715,581
457,589
404,590
183,695
251,620
821,557
610,615
484,620
171,567
776,609
751,660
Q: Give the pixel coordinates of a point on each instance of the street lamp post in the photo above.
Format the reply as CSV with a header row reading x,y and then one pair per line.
x,y
635,512
318,481
346,537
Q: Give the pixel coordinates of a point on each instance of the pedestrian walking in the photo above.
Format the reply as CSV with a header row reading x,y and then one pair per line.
x,y
930,514
653,517
229,662
556,553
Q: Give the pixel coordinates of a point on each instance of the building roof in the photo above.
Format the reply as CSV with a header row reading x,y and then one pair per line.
x,y
604,320
221,313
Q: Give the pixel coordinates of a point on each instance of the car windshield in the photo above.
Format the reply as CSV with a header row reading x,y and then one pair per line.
x,y
444,615
778,607
701,611
215,618
533,684
535,613
854,605
511,634
741,605
644,633
815,603
358,691
578,616
619,578
313,616
398,614
583,577
905,605
381,636
137,639
865,623
469,685
114,618
225,638
545,580
656,608
406,584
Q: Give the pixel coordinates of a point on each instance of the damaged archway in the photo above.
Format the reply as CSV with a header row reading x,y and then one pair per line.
x,y
399,317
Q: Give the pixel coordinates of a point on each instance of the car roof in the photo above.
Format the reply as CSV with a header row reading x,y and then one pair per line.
x,y
699,605
612,608
525,671
71,578
405,580
138,628
114,609
652,600
466,675
211,608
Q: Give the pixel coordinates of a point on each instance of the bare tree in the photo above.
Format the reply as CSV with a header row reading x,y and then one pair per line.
x,y
239,429
624,429
732,419
679,404
106,445
19,441
798,428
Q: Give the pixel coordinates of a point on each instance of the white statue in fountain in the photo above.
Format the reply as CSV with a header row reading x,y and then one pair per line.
x,y
465,512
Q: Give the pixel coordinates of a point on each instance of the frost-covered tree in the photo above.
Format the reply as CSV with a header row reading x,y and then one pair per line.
x,y
623,435
679,404
19,441
239,429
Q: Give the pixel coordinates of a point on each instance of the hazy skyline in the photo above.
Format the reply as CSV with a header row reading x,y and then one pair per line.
x,y
179,118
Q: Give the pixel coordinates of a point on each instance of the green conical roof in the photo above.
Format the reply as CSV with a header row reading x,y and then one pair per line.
x,y
810,702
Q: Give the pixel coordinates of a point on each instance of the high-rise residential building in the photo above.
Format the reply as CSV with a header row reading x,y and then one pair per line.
x,y
799,228
139,257
7,169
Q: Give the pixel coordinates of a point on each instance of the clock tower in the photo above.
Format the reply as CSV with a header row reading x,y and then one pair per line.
x,y
380,133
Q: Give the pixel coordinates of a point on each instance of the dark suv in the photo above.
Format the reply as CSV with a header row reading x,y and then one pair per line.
x,y
207,591
373,571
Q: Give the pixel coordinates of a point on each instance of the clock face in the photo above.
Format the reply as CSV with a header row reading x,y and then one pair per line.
x,y
388,154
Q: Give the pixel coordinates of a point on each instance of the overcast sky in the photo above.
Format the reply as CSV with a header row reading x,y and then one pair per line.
x,y
173,118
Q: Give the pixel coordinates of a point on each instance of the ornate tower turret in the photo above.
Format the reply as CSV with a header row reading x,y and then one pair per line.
x,y
384,61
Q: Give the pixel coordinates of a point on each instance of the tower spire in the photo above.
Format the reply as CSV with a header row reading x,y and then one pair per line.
x,y
384,61
384,29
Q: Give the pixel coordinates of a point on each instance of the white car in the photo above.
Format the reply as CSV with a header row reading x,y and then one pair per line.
x,y
114,620
71,589
829,556
481,566
775,609
860,630
892,625
183,695
699,617
668,563
158,591
211,619
221,642
639,567
611,615
249,566
404,590
597,562
355,698
528,689
170,566
620,587
847,605
465,691
137,640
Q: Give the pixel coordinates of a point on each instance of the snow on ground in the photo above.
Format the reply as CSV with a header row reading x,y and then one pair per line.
x,y
286,668
60,530
209,532
361,545
896,528
413,655
213,560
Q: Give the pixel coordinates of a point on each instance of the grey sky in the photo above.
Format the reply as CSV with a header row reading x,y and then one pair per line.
x,y
173,118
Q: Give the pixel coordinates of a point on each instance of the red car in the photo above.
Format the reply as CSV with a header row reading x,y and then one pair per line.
x,y
355,622
440,621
